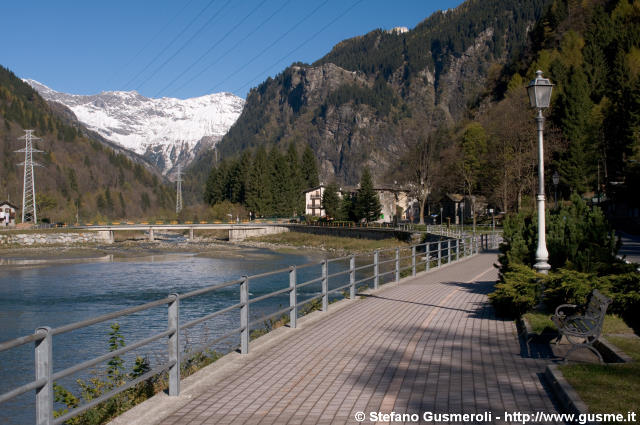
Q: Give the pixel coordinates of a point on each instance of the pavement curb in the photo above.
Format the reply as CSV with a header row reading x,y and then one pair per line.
x,y
564,392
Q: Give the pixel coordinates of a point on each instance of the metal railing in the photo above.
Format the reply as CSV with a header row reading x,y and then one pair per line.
x,y
429,254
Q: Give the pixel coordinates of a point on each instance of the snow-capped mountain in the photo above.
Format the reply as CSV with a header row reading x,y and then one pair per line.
x,y
165,131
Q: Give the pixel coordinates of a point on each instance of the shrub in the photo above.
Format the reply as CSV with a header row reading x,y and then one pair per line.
x,y
625,291
570,287
517,292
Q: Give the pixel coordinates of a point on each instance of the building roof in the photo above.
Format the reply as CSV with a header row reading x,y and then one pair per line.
x,y
455,197
15,207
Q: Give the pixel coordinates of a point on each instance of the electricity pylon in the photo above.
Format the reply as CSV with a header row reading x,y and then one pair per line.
x,y
179,190
29,209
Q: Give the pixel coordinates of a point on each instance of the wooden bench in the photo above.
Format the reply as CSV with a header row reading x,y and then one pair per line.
x,y
584,323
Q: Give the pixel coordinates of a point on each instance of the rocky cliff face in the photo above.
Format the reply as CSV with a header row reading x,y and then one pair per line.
x,y
354,105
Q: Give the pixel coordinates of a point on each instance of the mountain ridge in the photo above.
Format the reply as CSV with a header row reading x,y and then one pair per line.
x,y
166,132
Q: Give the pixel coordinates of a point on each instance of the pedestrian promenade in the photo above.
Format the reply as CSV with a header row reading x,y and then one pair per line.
x,y
429,344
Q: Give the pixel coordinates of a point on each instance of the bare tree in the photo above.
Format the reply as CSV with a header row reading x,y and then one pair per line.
x,y
418,160
512,149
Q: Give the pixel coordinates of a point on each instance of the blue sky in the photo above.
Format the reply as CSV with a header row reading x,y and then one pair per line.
x,y
184,48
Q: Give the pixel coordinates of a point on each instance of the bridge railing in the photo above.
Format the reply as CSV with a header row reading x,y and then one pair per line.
x,y
387,265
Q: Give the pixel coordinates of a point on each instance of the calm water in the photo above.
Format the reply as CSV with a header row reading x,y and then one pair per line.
x,y
57,294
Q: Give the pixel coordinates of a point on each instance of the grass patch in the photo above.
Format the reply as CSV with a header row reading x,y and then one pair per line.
x,y
329,242
540,322
613,388
613,324
606,388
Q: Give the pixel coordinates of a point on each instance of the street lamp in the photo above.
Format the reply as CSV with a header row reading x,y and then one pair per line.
x,y
556,179
540,96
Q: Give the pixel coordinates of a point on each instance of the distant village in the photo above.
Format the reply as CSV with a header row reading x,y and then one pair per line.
x,y
399,206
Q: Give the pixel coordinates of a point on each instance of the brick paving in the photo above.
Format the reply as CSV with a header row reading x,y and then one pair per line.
x,y
431,343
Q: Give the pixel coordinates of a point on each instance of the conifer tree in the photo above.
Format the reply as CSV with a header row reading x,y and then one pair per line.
x,y
295,184
331,202
278,179
367,205
574,112
309,168
259,195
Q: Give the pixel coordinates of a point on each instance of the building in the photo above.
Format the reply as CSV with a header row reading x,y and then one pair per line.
x,y
454,206
394,202
7,214
313,201
396,205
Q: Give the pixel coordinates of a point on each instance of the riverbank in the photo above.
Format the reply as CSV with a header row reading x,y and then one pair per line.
x,y
333,244
211,246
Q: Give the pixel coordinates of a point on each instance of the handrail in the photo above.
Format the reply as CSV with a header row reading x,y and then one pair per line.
x,y
464,246
83,324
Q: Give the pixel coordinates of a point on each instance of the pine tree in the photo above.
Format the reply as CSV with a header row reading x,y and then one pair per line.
x,y
309,168
278,179
295,197
367,205
258,195
574,111
331,202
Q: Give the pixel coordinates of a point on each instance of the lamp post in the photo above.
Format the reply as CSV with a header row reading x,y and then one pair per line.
x,y
556,179
540,96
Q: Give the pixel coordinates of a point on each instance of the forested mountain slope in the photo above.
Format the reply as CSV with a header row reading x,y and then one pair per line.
x,y
77,173
354,105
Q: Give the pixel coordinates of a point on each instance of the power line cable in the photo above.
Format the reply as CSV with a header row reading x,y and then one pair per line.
x,y
270,46
226,53
185,43
213,46
302,44
169,45
151,40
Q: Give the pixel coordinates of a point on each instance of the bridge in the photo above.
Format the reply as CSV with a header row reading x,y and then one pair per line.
x,y
237,232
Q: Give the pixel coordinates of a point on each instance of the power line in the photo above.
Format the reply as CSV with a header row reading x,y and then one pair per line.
x,y
302,44
169,45
226,53
270,46
213,46
151,40
185,43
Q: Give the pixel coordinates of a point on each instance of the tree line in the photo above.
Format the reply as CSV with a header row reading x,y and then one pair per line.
x,y
267,183
357,206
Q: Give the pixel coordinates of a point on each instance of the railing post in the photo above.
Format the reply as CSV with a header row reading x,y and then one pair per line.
x,y
376,270
439,252
44,367
428,254
413,260
174,345
325,286
352,277
293,299
244,315
457,249
448,251
397,264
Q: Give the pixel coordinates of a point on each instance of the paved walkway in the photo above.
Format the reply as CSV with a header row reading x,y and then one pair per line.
x,y
431,343
630,248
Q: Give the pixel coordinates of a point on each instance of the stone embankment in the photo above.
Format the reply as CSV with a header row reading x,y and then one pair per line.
x,y
66,238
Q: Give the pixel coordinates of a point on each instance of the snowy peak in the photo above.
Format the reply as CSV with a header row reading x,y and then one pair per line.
x,y
166,131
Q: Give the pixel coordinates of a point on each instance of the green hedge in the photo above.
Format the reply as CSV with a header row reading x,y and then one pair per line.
x,y
582,252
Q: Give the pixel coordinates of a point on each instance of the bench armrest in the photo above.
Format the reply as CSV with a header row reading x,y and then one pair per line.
x,y
559,313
